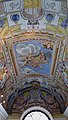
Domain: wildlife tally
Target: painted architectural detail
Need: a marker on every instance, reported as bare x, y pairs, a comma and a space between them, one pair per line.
33, 55
33, 11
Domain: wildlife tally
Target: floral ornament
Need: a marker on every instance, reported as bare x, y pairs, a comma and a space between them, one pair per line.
64, 23
15, 18
49, 17
1, 23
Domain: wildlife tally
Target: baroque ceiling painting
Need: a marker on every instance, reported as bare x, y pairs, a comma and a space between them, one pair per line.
33, 55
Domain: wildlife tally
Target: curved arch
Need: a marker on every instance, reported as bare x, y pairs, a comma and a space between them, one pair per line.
20, 92
36, 108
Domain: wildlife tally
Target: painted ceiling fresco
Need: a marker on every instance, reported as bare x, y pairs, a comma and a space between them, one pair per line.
33, 57
33, 47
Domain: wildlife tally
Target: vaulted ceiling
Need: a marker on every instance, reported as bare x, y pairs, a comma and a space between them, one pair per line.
33, 55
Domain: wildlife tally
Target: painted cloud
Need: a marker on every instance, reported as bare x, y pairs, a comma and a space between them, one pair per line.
25, 50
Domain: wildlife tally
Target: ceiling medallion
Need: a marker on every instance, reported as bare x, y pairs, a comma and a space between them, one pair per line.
64, 23
15, 18
49, 16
